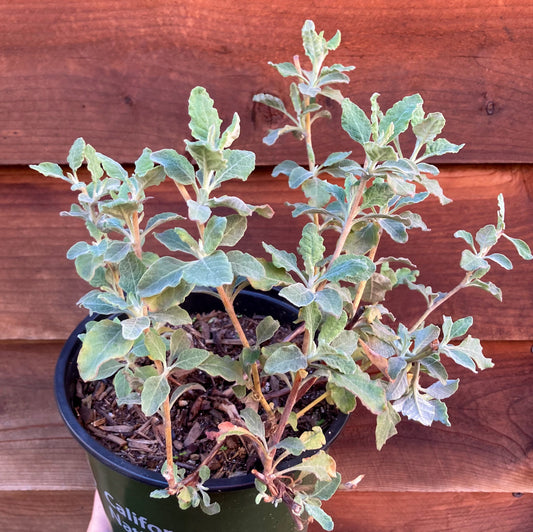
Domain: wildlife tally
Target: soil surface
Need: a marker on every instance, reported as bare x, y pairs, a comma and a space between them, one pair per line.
127, 432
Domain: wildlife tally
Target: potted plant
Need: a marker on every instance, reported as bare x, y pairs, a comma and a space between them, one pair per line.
341, 346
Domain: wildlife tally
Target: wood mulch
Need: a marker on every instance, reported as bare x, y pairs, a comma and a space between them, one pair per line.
127, 432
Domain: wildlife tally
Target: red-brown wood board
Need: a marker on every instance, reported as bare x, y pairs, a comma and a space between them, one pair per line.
119, 72
36, 275
439, 478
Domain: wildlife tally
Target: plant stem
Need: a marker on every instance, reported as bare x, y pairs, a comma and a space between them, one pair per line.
311, 405
362, 285
167, 422
228, 305
349, 220
437, 304
287, 409
137, 248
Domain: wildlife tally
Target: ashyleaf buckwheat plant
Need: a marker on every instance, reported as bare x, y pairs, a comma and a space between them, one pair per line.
340, 292
346, 346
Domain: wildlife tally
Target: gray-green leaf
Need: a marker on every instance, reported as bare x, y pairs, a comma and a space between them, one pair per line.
155, 390
165, 272
102, 343
284, 359
355, 122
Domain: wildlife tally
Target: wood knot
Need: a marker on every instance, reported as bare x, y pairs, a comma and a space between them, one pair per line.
490, 107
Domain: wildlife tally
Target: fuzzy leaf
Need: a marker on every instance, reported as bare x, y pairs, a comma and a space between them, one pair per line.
417, 408
466, 236
285, 69
266, 329
111, 167
253, 422
294, 445
400, 114
155, 390
198, 212
213, 234
132, 328
367, 390
489, 287
429, 127
500, 259
240, 164
231, 133
298, 176
329, 301
487, 236
273, 101
207, 157
204, 116
298, 294
355, 122
386, 425
76, 154
281, 258
191, 358
471, 262
178, 239
102, 343
521, 247
319, 515
235, 229
321, 464
285, 359
273, 277
311, 247
155, 345
213, 270
395, 229
95, 304
343, 399
246, 265
351, 268
441, 147
177, 167
163, 273
131, 270
438, 390
49, 170
225, 367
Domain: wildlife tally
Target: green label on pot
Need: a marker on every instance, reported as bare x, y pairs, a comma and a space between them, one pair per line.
128, 519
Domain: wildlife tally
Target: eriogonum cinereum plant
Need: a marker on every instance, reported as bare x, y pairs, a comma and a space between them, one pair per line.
345, 336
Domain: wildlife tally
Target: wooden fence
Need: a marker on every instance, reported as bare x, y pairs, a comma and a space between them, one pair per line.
118, 73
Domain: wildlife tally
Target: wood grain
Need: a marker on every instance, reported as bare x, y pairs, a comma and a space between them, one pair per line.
488, 448
438, 512
53, 511
39, 286
45, 511
119, 73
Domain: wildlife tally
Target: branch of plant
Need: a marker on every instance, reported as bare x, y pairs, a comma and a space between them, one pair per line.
463, 284
362, 285
312, 405
228, 306
137, 246
287, 409
436, 304
349, 220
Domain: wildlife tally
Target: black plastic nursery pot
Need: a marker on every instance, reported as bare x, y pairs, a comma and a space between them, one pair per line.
125, 488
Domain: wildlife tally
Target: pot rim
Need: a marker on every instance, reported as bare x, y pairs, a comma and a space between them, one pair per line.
66, 366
